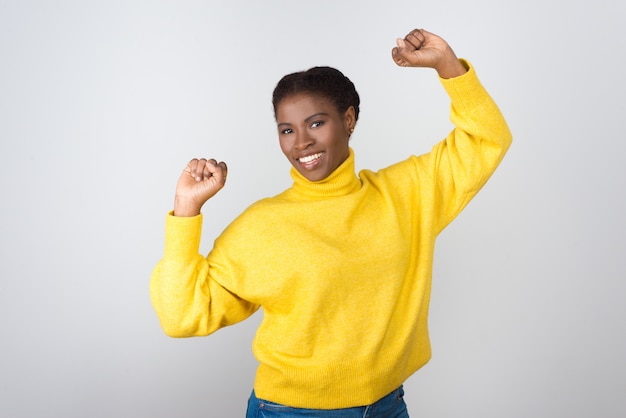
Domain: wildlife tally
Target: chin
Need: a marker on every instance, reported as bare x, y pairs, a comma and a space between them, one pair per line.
314, 176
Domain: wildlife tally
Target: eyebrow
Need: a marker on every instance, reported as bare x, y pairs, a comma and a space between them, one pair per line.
307, 119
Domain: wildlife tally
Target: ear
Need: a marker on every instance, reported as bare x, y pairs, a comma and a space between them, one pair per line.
349, 118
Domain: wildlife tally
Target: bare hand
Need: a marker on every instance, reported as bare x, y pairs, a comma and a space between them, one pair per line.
424, 49
199, 181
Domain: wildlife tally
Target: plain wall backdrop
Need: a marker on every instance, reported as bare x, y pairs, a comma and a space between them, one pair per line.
102, 103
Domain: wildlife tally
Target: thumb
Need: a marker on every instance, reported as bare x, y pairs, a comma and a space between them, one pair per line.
401, 53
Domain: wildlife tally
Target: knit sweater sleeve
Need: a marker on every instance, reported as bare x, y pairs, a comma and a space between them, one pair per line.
187, 299
462, 163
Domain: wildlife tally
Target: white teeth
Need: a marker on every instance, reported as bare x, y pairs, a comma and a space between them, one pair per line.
310, 158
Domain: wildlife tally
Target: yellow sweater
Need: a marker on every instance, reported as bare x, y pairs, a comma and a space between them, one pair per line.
342, 267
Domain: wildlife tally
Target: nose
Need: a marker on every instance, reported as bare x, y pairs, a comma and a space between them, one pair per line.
303, 140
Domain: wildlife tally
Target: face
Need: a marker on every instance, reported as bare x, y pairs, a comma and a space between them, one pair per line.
313, 134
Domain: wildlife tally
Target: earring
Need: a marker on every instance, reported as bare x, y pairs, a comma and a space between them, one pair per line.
351, 130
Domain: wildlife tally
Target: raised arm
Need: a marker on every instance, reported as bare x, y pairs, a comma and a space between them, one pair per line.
461, 164
186, 295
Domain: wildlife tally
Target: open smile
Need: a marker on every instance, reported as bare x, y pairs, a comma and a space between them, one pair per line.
310, 162
309, 159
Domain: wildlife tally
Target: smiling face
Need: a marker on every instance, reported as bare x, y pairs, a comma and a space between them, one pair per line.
313, 134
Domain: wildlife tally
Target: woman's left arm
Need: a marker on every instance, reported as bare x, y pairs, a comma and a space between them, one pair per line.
463, 162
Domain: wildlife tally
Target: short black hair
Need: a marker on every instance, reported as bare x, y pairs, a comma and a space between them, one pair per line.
326, 82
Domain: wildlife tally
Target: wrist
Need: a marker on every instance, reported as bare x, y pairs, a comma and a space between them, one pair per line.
186, 207
451, 67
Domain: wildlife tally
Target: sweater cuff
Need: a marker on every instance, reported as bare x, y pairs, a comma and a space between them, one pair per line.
182, 237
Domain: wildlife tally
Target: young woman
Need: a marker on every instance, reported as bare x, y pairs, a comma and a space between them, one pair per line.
341, 263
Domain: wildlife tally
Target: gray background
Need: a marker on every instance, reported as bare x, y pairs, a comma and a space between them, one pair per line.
103, 103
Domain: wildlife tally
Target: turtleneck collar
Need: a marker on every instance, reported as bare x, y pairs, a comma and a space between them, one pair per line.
341, 182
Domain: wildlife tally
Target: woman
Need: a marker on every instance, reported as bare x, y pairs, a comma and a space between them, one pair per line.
340, 263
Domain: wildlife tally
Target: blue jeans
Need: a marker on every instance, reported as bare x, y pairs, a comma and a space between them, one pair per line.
391, 406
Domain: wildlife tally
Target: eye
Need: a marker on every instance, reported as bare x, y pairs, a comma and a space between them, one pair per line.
286, 131
317, 124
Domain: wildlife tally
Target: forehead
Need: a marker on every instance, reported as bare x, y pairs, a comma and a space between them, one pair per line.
302, 105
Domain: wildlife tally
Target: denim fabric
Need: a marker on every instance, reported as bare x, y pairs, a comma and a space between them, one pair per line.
391, 406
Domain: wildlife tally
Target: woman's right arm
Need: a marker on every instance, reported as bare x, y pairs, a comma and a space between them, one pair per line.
187, 300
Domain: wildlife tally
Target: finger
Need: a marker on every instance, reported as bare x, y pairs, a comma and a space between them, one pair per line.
217, 170
209, 168
399, 60
416, 38
195, 168
199, 172
190, 167
224, 170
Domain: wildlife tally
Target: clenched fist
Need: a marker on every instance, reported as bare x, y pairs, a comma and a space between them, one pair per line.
199, 181
424, 49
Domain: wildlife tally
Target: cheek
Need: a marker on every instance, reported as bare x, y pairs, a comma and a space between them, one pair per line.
341, 141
